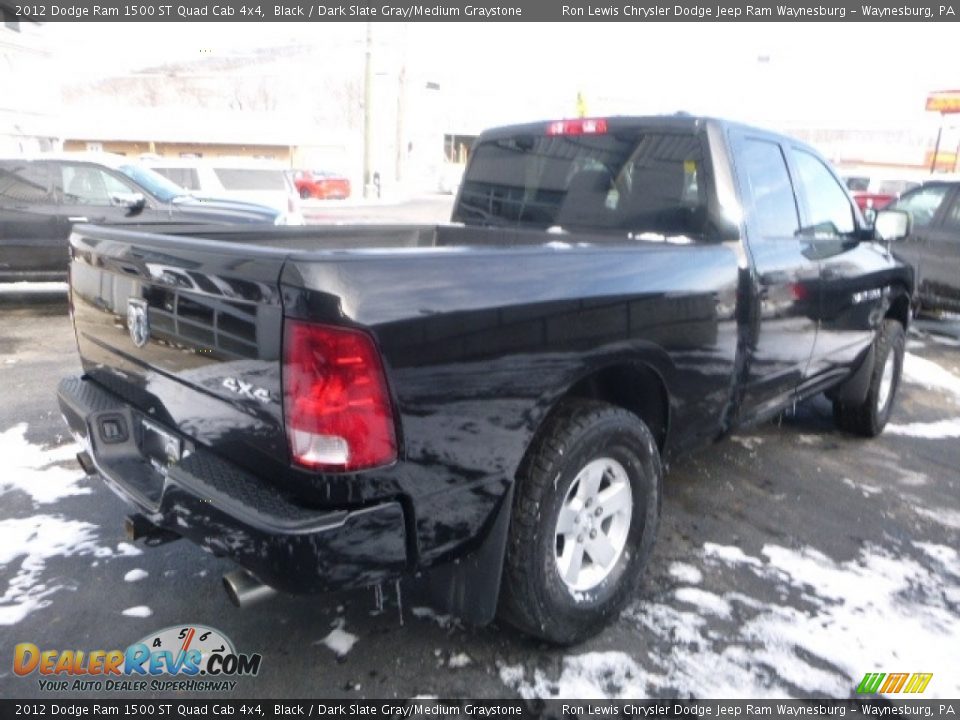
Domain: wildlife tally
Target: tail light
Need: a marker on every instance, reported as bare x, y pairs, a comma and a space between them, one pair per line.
580, 126
338, 410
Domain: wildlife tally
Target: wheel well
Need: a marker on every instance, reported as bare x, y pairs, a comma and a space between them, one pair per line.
900, 310
636, 388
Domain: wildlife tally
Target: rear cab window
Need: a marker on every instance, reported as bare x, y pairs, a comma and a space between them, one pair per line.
633, 180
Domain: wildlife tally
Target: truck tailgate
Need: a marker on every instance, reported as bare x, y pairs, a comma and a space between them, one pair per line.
188, 332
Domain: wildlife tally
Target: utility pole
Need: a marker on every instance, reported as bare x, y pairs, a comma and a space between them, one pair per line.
367, 114
401, 140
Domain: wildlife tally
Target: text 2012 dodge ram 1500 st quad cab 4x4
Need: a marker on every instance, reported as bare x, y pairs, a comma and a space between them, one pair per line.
482, 409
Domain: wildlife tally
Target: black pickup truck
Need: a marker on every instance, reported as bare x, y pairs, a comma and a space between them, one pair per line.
482, 410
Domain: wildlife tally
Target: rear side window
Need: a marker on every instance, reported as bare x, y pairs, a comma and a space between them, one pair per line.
923, 204
634, 181
250, 179
773, 206
24, 183
831, 214
896, 187
184, 177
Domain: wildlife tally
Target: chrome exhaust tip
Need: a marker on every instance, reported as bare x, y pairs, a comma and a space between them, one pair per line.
244, 590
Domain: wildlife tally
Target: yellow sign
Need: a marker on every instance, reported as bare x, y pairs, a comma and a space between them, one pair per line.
944, 101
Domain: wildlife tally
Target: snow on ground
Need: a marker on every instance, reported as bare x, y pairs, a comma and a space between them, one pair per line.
920, 371
685, 573
339, 640
444, 621
866, 489
943, 516
928, 374
459, 660
32, 542
138, 611
938, 430
135, 575
36, 471
834, 621
750, 443
590, 676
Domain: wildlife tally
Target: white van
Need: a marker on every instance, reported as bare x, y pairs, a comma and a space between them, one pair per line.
254, 181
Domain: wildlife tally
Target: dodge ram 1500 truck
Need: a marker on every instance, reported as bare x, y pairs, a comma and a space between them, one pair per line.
482, 410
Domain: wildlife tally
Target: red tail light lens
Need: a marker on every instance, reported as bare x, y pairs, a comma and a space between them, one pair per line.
338, 411
580, 126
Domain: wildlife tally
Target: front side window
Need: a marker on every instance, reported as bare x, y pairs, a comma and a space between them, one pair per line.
89, 185
773, 207
952, 220
831, 214
922, 204
636, 180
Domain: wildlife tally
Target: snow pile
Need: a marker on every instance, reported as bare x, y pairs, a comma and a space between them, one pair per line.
35, 471
33, 541
928, 374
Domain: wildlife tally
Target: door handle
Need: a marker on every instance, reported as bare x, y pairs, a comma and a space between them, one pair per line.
77, 219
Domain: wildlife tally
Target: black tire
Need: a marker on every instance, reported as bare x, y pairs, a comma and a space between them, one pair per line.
870, 417
305, 194
534, 597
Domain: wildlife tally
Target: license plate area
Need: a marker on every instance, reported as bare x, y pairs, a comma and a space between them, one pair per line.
161, 447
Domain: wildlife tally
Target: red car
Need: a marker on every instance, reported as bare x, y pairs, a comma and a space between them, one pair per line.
321, 184
876, 193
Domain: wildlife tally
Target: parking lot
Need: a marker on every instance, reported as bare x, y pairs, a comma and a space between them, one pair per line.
792, 559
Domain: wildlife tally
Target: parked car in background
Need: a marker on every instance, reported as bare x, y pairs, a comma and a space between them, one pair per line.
321, 184
43, 196
875, 192
932, 246
257, 181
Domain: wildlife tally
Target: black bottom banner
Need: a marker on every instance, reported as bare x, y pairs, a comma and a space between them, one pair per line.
432, 708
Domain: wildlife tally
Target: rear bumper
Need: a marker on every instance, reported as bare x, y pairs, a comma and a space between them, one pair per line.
230, 512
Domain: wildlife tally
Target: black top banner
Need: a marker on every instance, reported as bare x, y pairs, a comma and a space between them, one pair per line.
486, 11
433, 709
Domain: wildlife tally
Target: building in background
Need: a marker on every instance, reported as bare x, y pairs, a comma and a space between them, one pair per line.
29, 87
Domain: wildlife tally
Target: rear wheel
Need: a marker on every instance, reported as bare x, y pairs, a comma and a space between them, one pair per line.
305, 194
584, 520
870, 417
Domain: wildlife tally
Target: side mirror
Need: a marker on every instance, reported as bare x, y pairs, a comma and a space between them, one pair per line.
891, 225
134, 201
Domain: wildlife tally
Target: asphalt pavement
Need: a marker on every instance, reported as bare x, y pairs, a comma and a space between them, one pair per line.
792, 559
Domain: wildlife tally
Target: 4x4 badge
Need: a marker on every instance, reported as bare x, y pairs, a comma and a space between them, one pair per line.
138, 321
